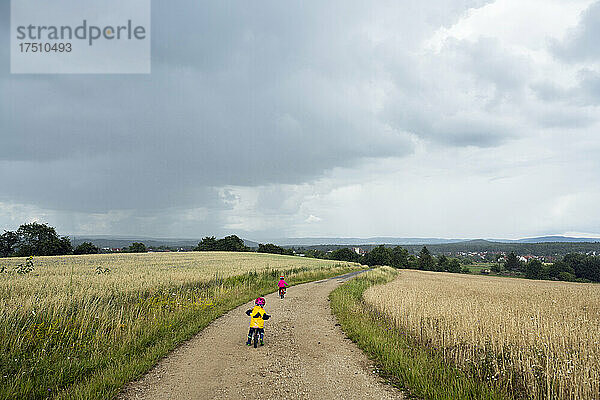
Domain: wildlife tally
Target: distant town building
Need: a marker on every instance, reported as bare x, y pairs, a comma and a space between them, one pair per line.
359, 251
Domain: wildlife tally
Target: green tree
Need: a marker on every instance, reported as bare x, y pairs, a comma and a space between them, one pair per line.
86, 248
380, 255
273, 249
314, 253
566, 276
592, 269
208, 243
576, 261
425, 261
400, 257
512, 262
41, 240
534, 269
231, 243
497, 267
228, 243
8, 241
558, 270
344, 254
576, 266
137, 247
442, 263
454, 266
412, 261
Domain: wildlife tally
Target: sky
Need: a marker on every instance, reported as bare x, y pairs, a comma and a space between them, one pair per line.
456, 119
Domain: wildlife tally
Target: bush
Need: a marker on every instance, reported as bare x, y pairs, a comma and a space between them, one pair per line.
566, 276
228, 243
86, 248
274, 249
136, 247
344, 254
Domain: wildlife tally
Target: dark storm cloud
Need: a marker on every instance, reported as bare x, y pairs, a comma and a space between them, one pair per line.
239, 95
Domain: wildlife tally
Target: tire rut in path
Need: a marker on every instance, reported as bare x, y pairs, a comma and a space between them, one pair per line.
306, 356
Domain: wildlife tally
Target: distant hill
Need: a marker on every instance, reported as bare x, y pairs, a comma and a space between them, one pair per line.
560, 239
324, 241
356, 241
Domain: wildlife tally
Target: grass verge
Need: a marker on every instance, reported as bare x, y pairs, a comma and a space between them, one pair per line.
419, 371
64, 360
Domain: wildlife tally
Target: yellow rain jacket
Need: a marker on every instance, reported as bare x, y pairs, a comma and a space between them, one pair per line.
257, 317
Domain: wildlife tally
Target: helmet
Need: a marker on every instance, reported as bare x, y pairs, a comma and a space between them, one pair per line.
260, 301
281, 277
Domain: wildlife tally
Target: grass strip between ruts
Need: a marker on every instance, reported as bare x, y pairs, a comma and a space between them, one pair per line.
418, 371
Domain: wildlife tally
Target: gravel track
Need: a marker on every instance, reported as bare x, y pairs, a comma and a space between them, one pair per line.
306, 356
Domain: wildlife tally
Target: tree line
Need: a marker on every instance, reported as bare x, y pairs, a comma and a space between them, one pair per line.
573, 267
35, 239
493, 249
234, 243
396, 257
480, 246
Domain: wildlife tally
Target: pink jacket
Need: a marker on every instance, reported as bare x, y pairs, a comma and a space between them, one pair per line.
282, 283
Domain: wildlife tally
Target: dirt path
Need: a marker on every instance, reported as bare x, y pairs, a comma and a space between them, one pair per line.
306, 356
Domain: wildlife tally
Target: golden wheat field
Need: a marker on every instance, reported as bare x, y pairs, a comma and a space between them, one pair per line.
540, 339
100, 274
72, 318
58, 282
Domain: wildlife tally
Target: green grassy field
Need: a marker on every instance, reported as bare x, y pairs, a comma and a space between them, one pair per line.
82, 326
476, 268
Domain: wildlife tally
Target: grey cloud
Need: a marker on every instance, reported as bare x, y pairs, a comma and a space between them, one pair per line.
566, 117
239, 110
549, 92
435, 100
590, 86
585, 93
581, 43
490, 63
461, 131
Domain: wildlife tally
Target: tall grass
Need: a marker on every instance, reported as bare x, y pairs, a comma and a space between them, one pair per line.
536, 339
82, 326
402, 360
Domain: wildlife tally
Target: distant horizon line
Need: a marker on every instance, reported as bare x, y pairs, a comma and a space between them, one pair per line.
134, 236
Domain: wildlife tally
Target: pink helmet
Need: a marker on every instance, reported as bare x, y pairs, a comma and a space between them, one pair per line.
260, 301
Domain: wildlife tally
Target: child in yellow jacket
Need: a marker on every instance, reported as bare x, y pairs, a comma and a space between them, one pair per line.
258, 316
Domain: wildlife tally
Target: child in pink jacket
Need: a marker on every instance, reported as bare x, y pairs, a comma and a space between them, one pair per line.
282, 285
282, 282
